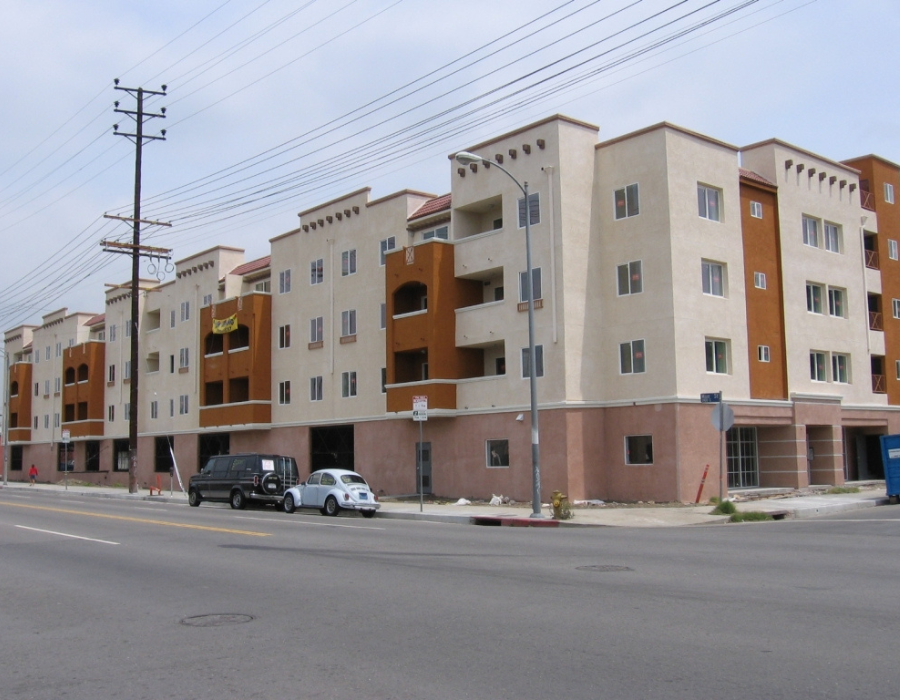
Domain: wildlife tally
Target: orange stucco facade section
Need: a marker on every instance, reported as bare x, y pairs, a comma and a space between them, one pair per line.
249, 365
20, 402
765, 317
875, 172
431, 334
83, 400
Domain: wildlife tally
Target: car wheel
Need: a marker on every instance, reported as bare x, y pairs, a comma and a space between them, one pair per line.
368, 513
289, 503
194, 498
331, 506
238, 502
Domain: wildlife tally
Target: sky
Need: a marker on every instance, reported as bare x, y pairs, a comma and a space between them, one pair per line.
274, 106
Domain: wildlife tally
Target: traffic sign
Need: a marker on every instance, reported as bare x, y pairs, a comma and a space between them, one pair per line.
65, 436
420, 408
722, 417
714, 397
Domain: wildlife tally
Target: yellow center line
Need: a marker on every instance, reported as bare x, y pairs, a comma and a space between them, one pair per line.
126, 518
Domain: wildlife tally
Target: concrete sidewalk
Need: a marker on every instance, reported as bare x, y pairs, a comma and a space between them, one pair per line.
807, 503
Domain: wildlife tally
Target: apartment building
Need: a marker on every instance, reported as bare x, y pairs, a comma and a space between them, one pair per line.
667, 264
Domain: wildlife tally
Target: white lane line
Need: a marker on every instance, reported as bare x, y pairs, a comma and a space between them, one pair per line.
307, 522
63, 534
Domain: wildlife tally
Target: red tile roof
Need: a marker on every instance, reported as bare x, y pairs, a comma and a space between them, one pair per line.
432, 206
750, 175
252, 266
95, 320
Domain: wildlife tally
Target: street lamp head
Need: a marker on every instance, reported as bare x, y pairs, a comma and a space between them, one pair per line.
466, 158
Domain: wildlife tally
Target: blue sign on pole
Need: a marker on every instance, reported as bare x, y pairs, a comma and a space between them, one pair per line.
714, 397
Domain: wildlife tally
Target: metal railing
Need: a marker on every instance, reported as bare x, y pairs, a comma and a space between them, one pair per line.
872, 259
878, 384
875, 321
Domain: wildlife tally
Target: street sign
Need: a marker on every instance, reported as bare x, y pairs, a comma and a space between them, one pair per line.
714, 397
65, 436
420, 408
722, 417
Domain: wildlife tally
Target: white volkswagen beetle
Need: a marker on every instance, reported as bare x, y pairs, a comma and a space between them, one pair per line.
331, 490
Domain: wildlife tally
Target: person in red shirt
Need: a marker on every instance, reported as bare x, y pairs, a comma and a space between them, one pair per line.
32, 474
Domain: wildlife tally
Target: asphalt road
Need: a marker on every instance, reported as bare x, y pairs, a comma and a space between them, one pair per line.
96, 594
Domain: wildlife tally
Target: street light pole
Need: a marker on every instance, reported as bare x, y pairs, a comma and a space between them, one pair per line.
466, 158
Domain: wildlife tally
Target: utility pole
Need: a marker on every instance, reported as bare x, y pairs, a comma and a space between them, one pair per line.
138, 137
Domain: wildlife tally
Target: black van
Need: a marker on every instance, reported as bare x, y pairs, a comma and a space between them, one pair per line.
237, 479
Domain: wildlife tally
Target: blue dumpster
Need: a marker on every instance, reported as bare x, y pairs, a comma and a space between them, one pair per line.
890, 455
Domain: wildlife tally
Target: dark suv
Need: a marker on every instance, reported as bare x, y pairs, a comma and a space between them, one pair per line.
237, 479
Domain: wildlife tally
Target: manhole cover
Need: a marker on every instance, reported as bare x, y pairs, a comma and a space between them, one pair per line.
216, 620
604, 567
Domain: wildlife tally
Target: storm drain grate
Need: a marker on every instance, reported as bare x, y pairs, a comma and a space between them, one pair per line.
604, 567
216, 620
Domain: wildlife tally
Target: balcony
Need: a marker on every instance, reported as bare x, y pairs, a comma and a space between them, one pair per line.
243, 413
475, 325
872, 260
879, 386
867, 200
876, 322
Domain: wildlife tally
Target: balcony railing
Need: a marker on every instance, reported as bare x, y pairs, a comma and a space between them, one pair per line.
875, 321
878, 384
872, 259
867, 200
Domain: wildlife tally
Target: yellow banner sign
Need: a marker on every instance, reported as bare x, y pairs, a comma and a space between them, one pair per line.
225, 325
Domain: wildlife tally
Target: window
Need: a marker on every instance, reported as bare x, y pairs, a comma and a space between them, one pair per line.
496, 453
59, 349
171, 364
759, 280
384, 380
183, 404
442, 232
888, 193
762, 353
895, 303
37, 357
630, 278
284, 336
383, 316
840, 368
171, 320
35, 422
37, 388
185, 311
539, 362
127, 327
317, 271
154, 410
171, 408
892, 249
284, 281
810, 232
111, 413
284, 393
183, 358
47, 356
207, 299
535, 284
708, 203
627, 202
716, 356
897, 368
348, 323
348, 262
713, 278
756, 210
315, 388
813, 298
111, 373
631, 357
316, 329
534, 210
638, 449
836, 306
57, 385
817, 371
348, 384
126, 375
264, 286
832, 238
46, 387
56, 419
388, 244
112, 333
127, 412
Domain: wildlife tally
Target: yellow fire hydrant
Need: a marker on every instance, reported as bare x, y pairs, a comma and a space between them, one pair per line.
562, 509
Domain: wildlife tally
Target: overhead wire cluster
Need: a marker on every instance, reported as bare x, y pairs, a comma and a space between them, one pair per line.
564, 50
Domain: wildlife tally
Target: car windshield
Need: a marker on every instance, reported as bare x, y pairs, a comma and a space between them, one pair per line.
353, 479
